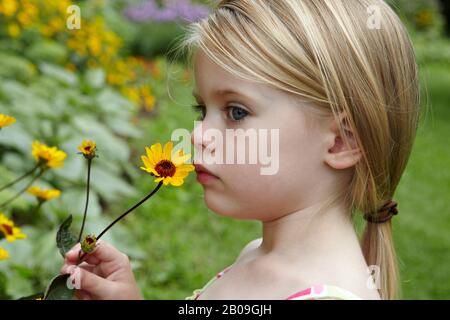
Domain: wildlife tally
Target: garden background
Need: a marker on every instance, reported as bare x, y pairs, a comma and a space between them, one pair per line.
112, 81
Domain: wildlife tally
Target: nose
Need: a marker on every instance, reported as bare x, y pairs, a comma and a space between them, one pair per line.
201, 141
197, 135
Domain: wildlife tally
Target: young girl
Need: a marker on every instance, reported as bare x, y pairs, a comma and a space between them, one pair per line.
338, 79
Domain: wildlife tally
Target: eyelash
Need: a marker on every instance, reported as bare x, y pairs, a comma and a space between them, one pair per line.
199, 108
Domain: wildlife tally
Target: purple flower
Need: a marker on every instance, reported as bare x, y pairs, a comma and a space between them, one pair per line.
171, 11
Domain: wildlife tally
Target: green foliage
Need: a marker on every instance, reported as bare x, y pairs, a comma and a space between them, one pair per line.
65, 240
47, 51
58, 290
61, 108
422, 15
13, 66
153, 39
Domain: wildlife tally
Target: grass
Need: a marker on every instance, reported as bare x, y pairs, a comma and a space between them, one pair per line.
421, 231
185, 244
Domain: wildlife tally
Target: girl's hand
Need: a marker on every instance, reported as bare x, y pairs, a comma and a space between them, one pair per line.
104, 274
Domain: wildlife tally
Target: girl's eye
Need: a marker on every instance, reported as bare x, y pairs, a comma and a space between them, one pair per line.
236, 113
201, 110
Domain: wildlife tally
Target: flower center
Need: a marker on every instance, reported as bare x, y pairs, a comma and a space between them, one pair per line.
89, 240
8, 229
165, 168
88, 148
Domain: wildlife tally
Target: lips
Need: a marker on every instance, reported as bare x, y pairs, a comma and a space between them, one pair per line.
199, 168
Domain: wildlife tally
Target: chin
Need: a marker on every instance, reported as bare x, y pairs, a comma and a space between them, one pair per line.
226, 208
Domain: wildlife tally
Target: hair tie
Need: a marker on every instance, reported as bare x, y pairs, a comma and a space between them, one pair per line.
385, 213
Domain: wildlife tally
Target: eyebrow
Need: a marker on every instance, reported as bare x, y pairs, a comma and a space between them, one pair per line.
222, 92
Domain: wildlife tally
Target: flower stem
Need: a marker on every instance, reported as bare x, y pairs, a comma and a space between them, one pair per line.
87, 198
19, 178
23, 190
37, 207
81, 256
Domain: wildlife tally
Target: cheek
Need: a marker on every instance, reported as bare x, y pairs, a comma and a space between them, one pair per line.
245, 193
239, 191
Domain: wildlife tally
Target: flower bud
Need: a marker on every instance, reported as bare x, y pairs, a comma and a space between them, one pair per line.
88, 243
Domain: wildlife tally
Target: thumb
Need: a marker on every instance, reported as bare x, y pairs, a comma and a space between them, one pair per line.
89, 282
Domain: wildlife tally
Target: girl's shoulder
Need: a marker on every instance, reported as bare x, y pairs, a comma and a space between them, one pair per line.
316, 292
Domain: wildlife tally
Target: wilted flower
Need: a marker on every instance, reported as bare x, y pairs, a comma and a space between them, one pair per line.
88, 148
44, 194
52, 157
8, 230
165, 167
88, 243
6, 120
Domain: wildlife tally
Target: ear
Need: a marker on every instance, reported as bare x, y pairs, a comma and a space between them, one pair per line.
340, 155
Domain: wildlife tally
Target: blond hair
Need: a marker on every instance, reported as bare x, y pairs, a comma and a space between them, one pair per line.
327, 52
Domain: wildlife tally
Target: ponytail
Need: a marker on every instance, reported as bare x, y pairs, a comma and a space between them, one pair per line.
379, 252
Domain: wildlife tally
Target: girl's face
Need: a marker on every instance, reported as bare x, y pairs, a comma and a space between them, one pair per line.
240, 190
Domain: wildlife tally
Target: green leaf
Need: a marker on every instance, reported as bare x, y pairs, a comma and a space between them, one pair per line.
65, 240
95, 78
58, 290
33, 296
59, 73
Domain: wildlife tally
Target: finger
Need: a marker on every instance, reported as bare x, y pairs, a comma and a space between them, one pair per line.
92, 283
105, 253
83, 295
69, 268
88, 267
73, 255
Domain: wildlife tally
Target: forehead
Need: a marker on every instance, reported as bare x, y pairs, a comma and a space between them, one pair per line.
210, 77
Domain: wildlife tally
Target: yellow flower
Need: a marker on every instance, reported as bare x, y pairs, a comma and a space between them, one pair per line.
3, 254
8, 7
6, 120
88, 148
424, 18
165, 167
13, 30
44, 194
24, 19
10, 232
95, 45
52, 157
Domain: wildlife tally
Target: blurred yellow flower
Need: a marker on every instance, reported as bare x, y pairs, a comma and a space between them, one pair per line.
9, 231
160, 163
13, 30
3, 254
424, 18
88, 148
52, 157
6, 120
44, 194
8, 7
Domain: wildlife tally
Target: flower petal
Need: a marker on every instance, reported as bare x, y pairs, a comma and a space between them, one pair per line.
176, 182
150, 156
180, 158
157, 152
167, 154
